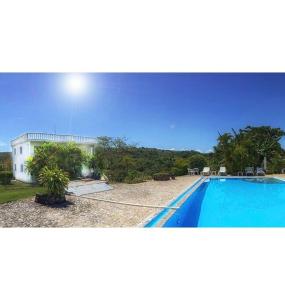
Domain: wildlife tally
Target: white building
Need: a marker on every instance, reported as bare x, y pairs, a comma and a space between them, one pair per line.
23, 148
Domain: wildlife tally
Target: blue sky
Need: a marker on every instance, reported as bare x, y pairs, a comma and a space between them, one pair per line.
163, 110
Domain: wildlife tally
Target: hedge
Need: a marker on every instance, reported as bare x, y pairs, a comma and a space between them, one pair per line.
5, 177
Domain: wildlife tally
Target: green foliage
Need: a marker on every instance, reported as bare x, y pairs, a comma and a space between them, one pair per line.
276, 164
198, 161
177, 172
55, 180
249, 147
161, 176
134, 177
180, 166
117, 160
6, 177
67, 157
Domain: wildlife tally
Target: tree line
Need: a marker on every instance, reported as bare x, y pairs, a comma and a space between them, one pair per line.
123, 162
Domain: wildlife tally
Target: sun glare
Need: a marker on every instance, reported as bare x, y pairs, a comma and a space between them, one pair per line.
76, 84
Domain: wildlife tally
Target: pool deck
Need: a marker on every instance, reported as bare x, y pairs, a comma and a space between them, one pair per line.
126, 205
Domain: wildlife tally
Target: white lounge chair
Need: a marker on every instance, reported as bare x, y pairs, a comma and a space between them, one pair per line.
249, 171
260, 172
223, 171
191, 172
196, 171
206, 171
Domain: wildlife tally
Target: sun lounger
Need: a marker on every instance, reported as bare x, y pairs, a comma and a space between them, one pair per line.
191, 172
260, 172
196, 171
223, 171
249, 171
206, 171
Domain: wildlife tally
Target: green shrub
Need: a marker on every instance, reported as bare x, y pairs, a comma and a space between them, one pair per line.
147, 177
134, 180
55, 180
116, 175
68, 157
197, 161
134, 177
96, 174
5, 177
161, 176
180, 167
178, 171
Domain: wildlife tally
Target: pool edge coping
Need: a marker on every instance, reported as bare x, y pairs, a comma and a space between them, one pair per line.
181, 202
173, 204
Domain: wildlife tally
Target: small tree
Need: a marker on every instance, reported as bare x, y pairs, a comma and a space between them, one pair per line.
55, 180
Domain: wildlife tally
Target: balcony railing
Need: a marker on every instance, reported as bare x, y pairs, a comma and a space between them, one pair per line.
54, 138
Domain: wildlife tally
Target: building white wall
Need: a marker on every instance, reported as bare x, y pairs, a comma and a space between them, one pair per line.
19, 160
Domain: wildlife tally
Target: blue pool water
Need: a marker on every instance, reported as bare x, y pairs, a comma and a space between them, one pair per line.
233, 203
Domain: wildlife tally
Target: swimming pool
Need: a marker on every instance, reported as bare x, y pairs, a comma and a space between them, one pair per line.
233, 202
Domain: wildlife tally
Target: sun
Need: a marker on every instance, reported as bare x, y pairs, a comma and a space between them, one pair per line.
76, 84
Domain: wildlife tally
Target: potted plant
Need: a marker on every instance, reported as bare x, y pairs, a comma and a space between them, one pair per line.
55, 181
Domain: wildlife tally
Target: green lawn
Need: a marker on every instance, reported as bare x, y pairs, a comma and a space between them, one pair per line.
17, 191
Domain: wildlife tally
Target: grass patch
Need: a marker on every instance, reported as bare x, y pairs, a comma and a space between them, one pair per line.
17, 191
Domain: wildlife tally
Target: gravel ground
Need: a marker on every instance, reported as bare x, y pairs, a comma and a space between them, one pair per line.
93, 213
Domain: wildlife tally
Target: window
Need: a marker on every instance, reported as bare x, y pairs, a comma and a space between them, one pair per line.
21, 150
22, 168
15, 167
14, 151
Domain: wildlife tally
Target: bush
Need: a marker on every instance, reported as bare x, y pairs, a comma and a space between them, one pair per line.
55, 180
161, 176
134, 180
134, 177
180, 167
116, 175
67, 157
147, 177
197, 161
96, 174
6, 177
178, 172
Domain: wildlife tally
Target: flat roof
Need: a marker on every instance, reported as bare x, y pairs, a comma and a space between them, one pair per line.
49, 137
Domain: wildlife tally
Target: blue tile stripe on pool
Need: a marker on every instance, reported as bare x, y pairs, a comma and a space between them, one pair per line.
157, 218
